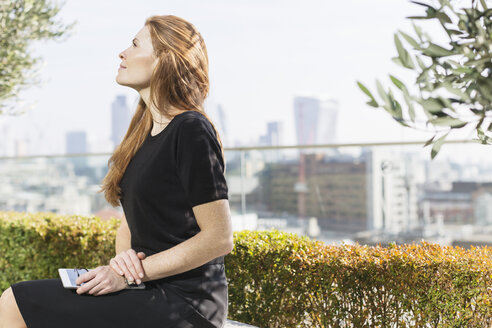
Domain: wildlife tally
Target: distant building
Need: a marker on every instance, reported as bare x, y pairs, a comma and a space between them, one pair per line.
315, 119
391, 193
483, 208
219, 118
120, 119
335, 195
273, 137
43, 186
465, 203
275, 133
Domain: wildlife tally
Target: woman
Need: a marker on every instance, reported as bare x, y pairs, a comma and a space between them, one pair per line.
168, 174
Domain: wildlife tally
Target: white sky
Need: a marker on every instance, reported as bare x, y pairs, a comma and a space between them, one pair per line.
261, 54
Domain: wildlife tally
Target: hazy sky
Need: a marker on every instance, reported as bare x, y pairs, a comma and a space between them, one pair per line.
261, 54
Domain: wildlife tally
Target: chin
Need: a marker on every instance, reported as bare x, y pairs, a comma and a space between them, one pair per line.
121, 82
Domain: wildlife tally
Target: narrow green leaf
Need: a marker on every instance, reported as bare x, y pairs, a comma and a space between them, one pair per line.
423, 4
476, 62
437, 145
409, 39
389, 109
433, 105
382, 93
456, 91
480, 132
452, 122
398, 61
418, 31
443, 17
397, 82
454, 63
401, 121
428, 142
463, 70
395, 106
403, 53
434, 50
421, 63
373, 101
477, 111
454, 32
411, 109
446, 103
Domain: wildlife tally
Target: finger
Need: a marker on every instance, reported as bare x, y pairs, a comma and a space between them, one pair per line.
137, 265
88, 286
86, 277
114, 265
103, 291
122, 264
97, 288
130, 266
141, 255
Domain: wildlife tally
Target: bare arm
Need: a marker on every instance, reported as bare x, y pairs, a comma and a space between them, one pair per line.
123, 236
214, 240
126, 262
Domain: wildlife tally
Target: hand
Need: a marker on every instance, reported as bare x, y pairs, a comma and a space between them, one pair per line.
101, 280
128, 263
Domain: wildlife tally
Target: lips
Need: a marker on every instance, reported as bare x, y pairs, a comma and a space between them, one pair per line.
121, 66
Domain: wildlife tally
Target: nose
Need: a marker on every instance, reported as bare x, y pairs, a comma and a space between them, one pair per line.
121, 55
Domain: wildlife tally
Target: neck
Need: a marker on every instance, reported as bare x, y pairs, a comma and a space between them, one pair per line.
158, 117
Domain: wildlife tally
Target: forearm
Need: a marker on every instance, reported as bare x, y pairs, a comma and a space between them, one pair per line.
123, 240
192, 253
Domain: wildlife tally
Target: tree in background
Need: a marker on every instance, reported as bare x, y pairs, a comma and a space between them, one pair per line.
21, 23
454, 79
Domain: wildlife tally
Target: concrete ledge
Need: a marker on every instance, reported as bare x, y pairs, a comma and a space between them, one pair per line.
236, 324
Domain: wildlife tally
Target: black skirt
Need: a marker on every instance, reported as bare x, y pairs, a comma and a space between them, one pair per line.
47, 304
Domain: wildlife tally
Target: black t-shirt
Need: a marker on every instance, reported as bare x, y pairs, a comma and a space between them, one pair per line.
180, 167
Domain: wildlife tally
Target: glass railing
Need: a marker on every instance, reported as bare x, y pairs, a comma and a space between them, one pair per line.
366, 193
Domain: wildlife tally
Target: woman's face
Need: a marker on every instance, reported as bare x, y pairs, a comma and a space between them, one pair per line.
138, 61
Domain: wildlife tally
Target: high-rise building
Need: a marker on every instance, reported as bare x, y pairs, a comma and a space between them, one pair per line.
391, 192
219, 118
315, 122
275, 133
120, 119
315, 119
273, 137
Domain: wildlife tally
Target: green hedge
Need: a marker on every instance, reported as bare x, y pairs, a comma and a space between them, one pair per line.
34, 246
279, 279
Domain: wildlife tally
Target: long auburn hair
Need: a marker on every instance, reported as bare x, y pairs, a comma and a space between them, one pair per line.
179, 81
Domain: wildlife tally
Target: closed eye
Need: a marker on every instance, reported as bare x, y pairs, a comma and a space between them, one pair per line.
134, 44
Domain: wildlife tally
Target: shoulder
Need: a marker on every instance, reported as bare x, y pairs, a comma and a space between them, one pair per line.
193, 122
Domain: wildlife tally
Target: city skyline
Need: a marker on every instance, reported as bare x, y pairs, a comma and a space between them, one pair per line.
262, 55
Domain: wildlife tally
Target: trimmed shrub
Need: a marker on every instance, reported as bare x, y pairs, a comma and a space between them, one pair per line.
277, 279
34, 246
282, 280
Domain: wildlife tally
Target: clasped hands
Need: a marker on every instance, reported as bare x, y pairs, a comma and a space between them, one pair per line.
109, 278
